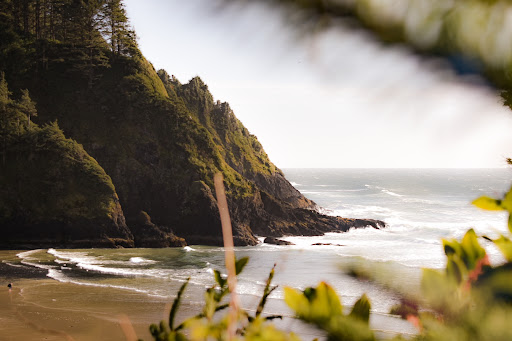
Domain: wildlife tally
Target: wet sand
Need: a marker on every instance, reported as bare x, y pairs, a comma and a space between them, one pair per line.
40, 308
37, 309
45, 309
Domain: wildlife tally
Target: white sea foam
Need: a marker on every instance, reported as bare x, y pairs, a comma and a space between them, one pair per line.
26, 254
13, 265
61, 277
28, 258
141, 260
391, 193
418, 215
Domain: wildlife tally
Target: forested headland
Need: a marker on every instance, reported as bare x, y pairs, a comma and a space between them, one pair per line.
100, 149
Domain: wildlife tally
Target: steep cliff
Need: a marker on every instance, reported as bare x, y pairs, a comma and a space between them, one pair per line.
159, 141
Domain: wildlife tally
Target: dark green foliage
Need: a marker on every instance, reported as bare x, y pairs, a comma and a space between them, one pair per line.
27, 106
84, 69
160, 141
117, 30
43, 35
241, 150
49, 182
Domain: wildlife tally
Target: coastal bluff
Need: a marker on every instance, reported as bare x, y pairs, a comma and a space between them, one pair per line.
122, 155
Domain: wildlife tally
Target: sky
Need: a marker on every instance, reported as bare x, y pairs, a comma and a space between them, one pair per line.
333, 99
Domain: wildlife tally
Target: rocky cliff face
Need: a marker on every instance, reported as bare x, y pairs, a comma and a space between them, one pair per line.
159, 144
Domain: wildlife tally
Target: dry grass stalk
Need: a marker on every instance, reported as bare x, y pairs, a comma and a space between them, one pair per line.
229, 252
127, 327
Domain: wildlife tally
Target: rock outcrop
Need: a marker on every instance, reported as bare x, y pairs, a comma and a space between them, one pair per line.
275, 241
155, 144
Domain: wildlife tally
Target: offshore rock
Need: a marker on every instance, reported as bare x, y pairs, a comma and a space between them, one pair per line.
275, 241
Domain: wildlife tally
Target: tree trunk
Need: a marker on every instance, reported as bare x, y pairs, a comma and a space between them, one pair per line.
38, 15
25, 17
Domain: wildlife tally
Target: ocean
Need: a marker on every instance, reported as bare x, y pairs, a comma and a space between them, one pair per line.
419, 206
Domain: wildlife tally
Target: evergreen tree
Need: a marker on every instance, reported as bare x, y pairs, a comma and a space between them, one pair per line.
4, 93
117, 30
4, 102
12, 114
27, 106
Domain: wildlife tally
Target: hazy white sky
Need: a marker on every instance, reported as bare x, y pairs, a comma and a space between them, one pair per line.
336, 99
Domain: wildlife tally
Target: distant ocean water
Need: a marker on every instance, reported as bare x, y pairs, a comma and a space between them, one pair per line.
420, 206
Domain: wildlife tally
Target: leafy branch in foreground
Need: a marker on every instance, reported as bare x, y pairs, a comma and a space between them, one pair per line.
321, 307
469, 300
205, 325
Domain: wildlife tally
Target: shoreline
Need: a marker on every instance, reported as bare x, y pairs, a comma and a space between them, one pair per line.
40, 307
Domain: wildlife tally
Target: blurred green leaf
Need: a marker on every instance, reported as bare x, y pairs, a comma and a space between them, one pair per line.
176, 304
347, 328
297, 301
259, 330
325, 303
487, 203
210, 303
266, 292
240, 264
316, 305
436, 287
507, 201
468, 251
361, 309
505, 246
473, 252
496, 284
218, 278
455, 269
451, 247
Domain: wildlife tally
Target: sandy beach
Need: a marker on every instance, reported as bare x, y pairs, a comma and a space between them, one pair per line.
44, 309
40, 308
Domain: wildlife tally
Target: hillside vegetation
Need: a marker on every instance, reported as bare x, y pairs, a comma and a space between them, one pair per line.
159, 142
